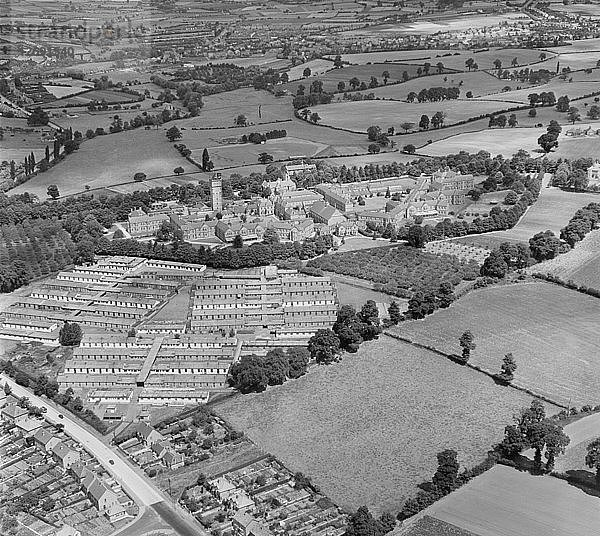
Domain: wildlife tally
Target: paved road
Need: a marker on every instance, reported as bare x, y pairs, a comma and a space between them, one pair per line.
138, 487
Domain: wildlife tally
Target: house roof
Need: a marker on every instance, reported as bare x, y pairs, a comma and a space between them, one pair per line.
97, 489
14, 411
172, 457
62, 451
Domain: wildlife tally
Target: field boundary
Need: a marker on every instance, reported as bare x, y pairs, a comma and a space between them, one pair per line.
454, 358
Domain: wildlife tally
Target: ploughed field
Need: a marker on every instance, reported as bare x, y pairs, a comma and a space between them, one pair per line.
367, 429
551, 332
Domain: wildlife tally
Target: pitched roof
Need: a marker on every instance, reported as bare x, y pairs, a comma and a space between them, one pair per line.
13, 410
62, 451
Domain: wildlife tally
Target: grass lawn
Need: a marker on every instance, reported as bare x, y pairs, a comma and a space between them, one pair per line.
559, 87
367, 429
359, 116
509, 502
108, 160
549, 329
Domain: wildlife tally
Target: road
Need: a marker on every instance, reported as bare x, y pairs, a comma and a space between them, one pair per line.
137, 486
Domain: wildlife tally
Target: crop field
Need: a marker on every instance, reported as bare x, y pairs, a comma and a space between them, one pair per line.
506, 141
579, 264
367, 429
331, 78
63, 91
358, 116
85, 98
399, 269
480, 83
549, 329
318, 66
509, 502
108, 160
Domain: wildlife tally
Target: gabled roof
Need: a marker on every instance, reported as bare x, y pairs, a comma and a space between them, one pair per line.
43, 436
171, 457
14, 411
62, 451
98, 490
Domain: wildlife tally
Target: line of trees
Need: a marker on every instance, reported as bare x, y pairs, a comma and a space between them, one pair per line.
434, 94
257, 137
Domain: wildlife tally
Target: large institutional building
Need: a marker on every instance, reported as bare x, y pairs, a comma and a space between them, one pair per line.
161, 332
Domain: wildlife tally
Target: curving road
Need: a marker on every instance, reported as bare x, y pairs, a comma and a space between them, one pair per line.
137, 486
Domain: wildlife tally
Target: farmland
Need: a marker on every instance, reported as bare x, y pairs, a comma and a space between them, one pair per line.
479, 82
358, 116
364, 73
399, 270
549, 330
92, 166
580, 264
506, 501
370, 429
559, 87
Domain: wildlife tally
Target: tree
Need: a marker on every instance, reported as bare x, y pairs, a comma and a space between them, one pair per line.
407, 125
573, 115
241, 120
265, 158
315, 117
238, 242
532, 112
409, 148
513, 121
374, 148
373, 132
38, 117
298, 359
173, 134
424, 122
178, 170
52, 191
70, 334
592, 458
494, 265
547, 142
337, 62
556, 443
467, 344
386, 76
307, 72
341, 85
324, 346
509, 365
446, 475
394, 312
498, 64
511, 198
416, 236
544, 246
139, 177
562, 104
369, 313
206, 162
469, 63
248, 375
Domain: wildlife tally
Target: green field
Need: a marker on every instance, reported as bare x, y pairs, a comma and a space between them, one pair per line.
514, 503
110, 159
559, 87
549, 329
480, 83
331, 78
579, 264
358, 116
367, 429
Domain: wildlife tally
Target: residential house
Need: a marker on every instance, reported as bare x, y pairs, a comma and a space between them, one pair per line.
593, 174
227, 231
291, 170
45, 439
294, 231
244, 524
14, 413
173, 460
277, 187
221, 488
65, 455
160, 448
147, 434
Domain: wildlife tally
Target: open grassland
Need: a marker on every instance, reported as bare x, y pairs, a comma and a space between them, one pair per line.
480, 83
367, 429
581, 432
552, 210
364, 73
572, 148
485, 59
258, 106
83, 99
549, 329
358, 116
559, 87
580, 264
506, 141
513, 503
318, 66
399, 56
108, 160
